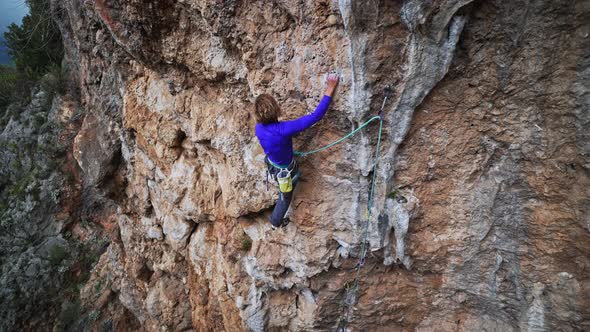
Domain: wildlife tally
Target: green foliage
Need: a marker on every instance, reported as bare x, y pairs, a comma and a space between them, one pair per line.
36, 44
54, 82
37, 51
246, 243
57, 254
19, 187
98, 286
39, 120
8, 82
392, 194
3, 207
70, 313
14, 86
93, 315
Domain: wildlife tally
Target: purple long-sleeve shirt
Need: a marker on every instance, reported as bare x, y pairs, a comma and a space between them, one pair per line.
276, 138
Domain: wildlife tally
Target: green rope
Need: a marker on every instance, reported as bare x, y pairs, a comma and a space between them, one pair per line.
352, 133
352, 292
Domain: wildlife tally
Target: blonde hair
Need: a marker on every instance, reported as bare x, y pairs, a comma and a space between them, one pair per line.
266, 109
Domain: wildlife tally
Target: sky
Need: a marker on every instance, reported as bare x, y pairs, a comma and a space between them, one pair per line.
11, 11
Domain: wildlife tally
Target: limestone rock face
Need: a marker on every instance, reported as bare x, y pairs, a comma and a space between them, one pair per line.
481, 214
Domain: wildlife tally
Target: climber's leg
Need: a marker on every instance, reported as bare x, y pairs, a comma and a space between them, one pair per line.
290, 209
276, 218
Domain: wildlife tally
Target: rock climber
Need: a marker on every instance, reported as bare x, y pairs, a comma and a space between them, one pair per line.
276, 139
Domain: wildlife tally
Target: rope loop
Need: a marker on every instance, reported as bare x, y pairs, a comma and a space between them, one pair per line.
352, 133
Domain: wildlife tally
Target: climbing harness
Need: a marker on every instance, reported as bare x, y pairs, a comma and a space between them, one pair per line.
351, 292
282, 174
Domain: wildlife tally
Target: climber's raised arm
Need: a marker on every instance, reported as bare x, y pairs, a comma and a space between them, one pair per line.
290, 128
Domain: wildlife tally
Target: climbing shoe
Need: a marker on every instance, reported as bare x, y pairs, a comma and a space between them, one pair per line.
283, 224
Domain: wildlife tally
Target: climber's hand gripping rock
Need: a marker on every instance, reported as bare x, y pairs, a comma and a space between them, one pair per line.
332, 81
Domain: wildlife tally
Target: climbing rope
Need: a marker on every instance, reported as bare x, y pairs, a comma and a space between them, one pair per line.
352, 133
386, 93
349, 299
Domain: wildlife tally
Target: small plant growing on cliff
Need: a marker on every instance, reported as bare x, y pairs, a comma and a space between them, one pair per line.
246, 243
70, 312
57, 254
98, 286
53, 83
38, 120
8, 85
93, 315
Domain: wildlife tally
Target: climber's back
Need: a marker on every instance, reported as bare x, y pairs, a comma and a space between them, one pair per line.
276, 137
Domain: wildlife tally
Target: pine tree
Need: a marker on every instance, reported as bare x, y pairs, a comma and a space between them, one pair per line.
36, 43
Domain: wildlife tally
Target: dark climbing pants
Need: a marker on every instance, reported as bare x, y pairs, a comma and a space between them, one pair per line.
278, 213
